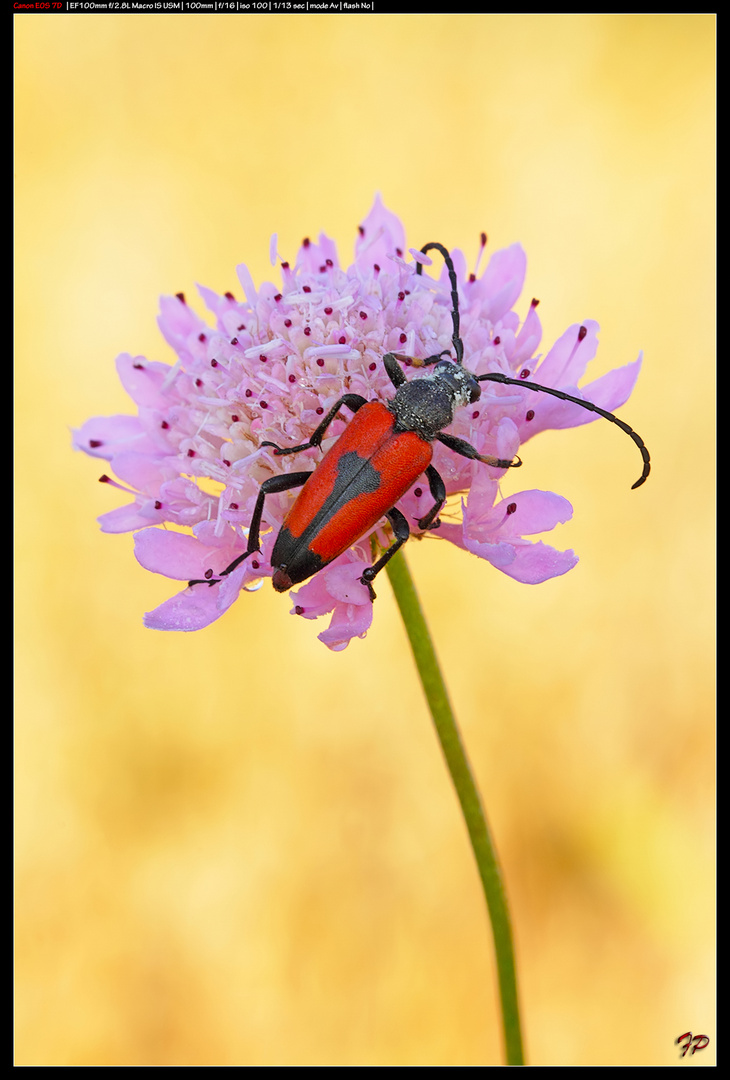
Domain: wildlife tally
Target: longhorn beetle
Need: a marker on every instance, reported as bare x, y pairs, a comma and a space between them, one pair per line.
382, 452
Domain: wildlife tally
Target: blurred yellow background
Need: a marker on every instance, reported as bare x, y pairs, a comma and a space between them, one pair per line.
235, 847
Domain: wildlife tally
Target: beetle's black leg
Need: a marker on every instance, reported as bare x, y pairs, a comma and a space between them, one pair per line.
272, 486
438, 491
496, 376
461, 446
353, 402
401, 532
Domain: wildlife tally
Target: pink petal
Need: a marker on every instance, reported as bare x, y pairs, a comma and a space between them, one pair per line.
613, 390
105, 436
536, 512
141, 471
337, 588
565, 364
342, 581
176, 555
127, 519
338, 583
348, 621
219, 305
312, 599
249, 289
500, 554
382, 235
503, 279
192, 609
143, 380
177, 321
528, 339
536, 563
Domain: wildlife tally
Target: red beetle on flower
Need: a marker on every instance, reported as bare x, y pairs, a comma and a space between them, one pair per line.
274, 367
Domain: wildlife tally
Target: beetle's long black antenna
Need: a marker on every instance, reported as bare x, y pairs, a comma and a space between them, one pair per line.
495, 376
458, 343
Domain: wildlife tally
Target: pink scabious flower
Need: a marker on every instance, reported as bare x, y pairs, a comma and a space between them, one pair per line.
192, 458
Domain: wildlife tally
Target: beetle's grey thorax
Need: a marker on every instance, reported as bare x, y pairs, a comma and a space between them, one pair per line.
424, 405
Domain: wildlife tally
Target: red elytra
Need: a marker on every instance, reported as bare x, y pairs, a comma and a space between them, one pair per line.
360, 479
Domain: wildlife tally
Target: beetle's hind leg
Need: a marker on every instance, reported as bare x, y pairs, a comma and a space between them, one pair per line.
401, 532
401, 529
438, 491
273, 486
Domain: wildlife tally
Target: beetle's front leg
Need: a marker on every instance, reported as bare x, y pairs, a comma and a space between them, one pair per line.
392, 362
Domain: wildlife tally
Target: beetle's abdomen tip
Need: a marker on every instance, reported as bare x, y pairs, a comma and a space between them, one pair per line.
281, 580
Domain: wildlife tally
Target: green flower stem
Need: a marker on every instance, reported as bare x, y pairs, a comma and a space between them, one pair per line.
466, 789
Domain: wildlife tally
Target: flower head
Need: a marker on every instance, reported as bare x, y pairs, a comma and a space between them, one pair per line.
194, 455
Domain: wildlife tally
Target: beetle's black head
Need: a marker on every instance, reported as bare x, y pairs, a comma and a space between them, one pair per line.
461, 383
